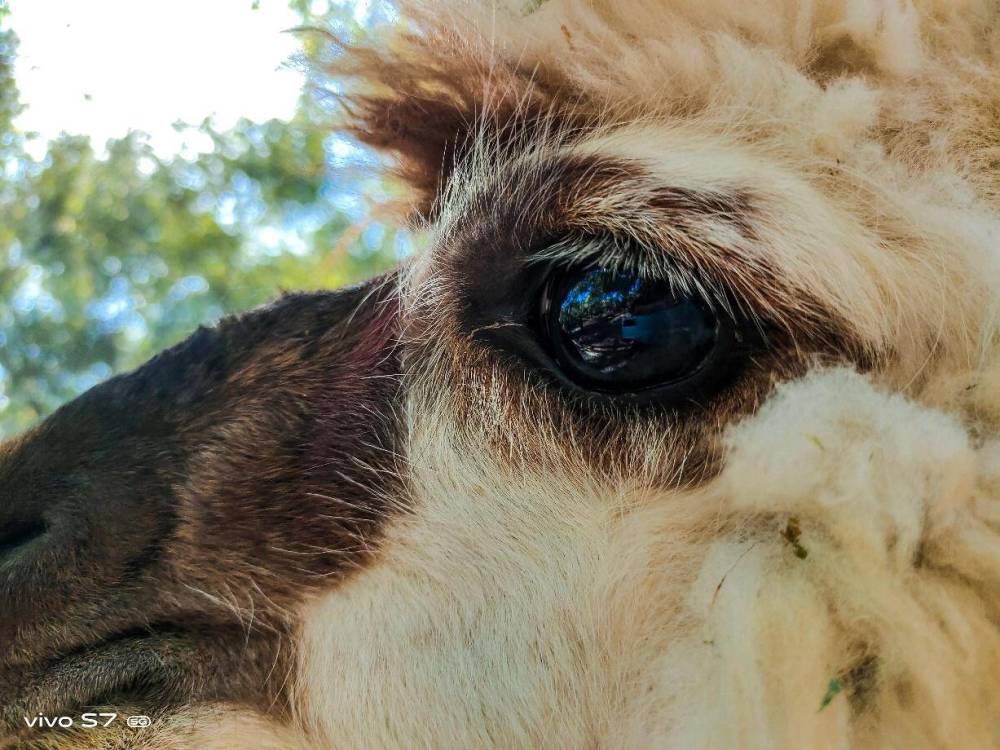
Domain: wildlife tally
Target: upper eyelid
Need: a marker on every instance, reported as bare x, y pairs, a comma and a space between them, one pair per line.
522, 217
544, 215
627, 254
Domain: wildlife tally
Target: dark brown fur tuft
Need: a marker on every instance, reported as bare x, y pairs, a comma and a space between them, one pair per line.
424, 97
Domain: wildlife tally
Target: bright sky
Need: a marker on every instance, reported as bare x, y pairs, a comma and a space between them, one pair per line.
104, 67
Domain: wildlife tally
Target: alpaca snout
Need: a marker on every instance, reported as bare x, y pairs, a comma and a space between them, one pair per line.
18, 535
75, 566
23, 520
158, 531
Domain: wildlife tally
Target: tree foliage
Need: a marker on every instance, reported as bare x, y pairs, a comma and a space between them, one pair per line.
109, 254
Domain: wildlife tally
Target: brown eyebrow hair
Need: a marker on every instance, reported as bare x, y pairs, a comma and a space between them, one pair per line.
538, 209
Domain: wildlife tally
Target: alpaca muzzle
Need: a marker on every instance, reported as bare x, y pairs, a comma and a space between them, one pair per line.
157, 533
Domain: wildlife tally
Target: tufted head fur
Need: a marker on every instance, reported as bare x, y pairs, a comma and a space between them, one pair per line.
383, 517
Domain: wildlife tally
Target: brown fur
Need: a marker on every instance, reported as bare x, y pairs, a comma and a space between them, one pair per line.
287, 408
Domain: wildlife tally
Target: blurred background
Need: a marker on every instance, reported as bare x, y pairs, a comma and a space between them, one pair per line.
164, 165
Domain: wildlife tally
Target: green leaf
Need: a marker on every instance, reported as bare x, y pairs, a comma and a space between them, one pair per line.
832, 691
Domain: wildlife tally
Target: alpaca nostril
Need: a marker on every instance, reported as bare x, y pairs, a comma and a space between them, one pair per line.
18, 534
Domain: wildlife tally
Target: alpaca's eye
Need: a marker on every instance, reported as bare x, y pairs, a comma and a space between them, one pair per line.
616, 331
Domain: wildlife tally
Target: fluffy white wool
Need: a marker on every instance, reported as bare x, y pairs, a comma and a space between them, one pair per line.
836, 586
890, 589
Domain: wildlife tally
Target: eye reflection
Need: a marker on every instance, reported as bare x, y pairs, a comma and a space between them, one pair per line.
617, 329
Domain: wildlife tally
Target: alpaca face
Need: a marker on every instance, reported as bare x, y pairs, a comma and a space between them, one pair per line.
682, 431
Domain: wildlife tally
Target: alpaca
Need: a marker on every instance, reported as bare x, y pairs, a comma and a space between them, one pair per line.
683, 432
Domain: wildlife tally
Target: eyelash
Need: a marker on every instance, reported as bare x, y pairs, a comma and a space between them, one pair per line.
515, 319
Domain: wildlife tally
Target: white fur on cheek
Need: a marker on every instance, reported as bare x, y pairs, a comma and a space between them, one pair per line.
835, 587
875, 469
475, 626
856, 604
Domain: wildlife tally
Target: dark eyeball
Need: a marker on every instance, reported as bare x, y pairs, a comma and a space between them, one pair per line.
615, 331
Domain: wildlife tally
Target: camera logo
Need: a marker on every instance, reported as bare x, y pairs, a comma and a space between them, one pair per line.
139, 722
85, 721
